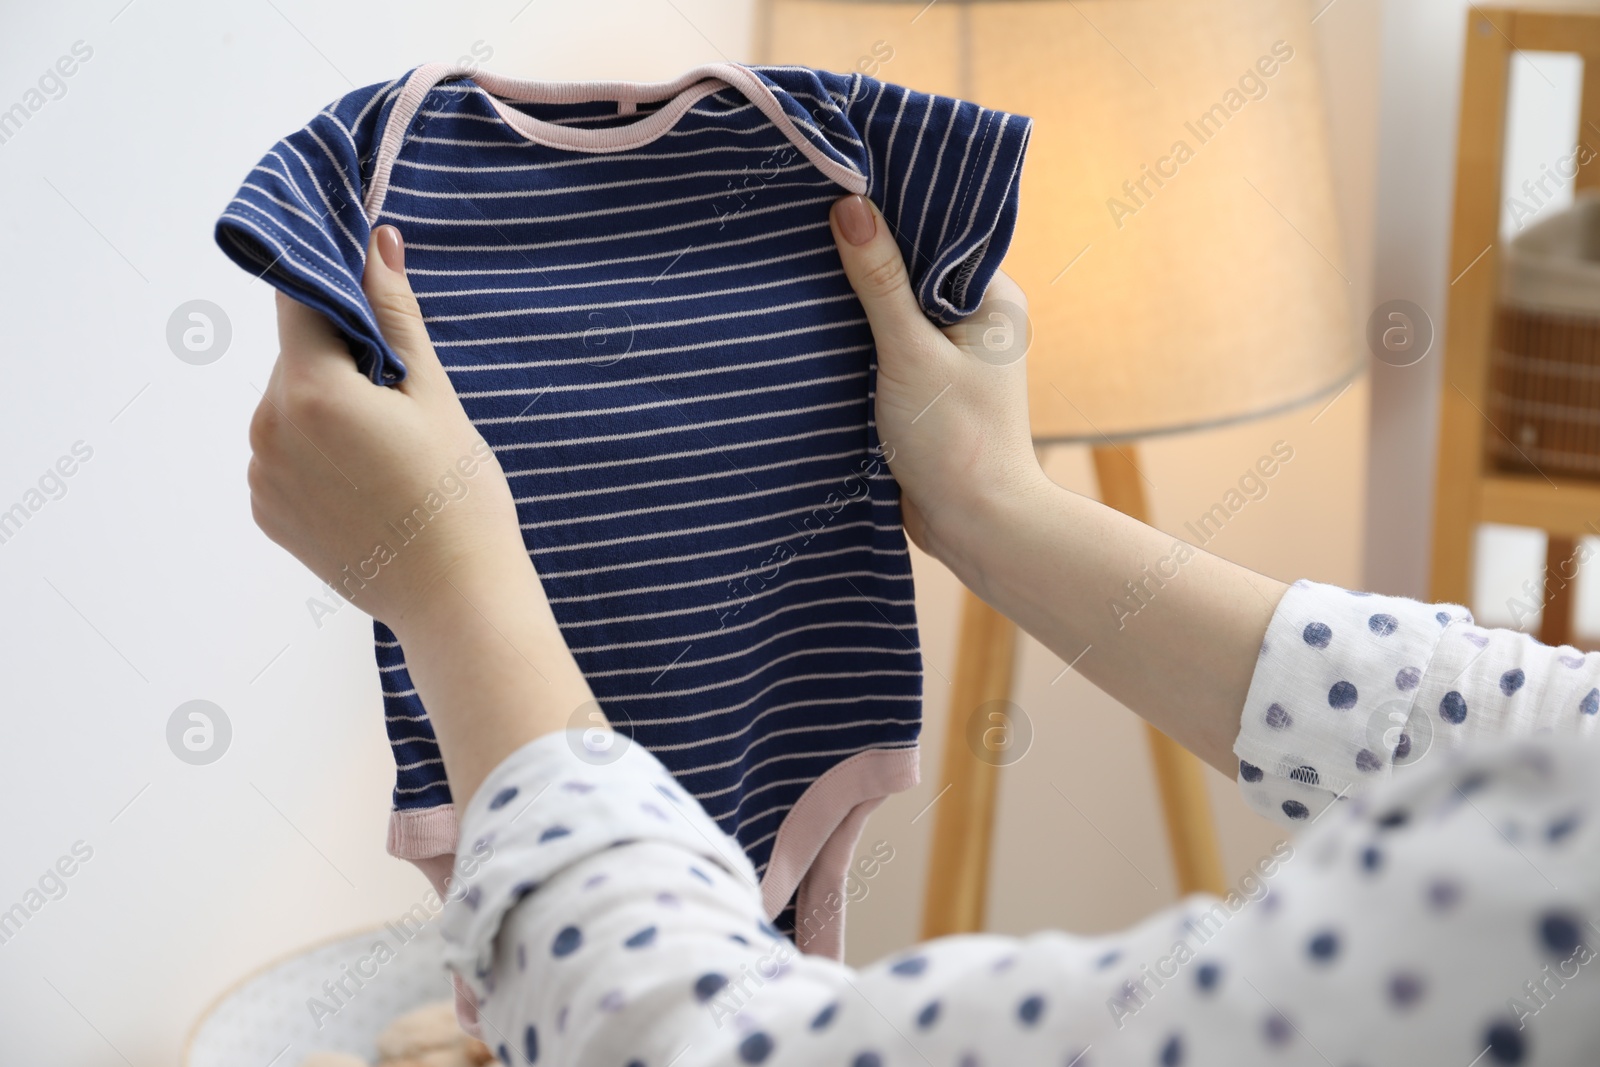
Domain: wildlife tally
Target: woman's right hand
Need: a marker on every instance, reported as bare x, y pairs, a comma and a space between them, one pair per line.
952, 412
952, 402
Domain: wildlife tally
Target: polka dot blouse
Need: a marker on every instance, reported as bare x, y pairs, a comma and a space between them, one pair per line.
1432, 903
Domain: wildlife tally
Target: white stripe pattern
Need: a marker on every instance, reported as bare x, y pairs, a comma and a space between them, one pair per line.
656, 339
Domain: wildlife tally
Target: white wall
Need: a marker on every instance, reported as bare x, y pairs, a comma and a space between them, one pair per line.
147, 584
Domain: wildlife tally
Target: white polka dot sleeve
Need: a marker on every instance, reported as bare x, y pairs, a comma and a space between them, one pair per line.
1352, 687
1441, 917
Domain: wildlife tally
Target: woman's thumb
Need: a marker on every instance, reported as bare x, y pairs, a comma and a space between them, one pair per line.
393, 303
877, 272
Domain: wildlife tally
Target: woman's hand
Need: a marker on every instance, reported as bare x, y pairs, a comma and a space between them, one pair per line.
381, 492
952, 413
392, 497
952, 402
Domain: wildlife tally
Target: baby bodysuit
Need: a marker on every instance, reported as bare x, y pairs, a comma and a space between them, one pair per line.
635, 292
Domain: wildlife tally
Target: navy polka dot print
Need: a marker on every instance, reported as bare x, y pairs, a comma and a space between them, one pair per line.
1402, 748
566, 942
1317, 634
1442, 896
709, 985
1324, 946
1505, 1043
1558, 829
1560, 933
1405, 990
755, 1048
1424, 911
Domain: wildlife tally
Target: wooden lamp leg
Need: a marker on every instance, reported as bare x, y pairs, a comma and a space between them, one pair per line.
1191, 835
1180, 776
963, 829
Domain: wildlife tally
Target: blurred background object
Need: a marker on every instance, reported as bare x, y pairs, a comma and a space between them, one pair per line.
1524, 326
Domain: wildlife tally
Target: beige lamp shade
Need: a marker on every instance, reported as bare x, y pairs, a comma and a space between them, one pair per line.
1177, 236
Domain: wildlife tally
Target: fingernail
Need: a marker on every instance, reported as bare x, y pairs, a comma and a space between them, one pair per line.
855, 219
392, 247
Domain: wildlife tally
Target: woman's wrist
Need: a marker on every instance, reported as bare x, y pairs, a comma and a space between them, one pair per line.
438, 600
487, 657
497, 599
974, 538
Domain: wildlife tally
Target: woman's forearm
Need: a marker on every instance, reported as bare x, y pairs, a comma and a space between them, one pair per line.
488, 660
1167, 629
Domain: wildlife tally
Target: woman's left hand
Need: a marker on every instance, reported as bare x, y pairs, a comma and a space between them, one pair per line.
380, 491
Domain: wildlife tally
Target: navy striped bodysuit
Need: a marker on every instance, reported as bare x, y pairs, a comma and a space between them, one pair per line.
636, 294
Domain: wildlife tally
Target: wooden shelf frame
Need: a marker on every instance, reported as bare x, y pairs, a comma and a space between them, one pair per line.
1468, 491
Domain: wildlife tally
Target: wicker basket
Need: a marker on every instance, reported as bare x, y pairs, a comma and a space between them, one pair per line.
1544, 393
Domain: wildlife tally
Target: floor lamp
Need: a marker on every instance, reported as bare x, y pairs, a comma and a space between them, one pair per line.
1179, 246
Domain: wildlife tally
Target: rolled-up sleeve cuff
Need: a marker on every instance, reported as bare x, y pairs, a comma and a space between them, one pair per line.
1332, 706
548, 806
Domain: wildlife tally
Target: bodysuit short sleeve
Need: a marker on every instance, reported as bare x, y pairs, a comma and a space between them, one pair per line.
298, 221
944, 172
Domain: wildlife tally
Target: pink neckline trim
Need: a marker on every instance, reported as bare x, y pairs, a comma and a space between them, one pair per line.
682, 92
